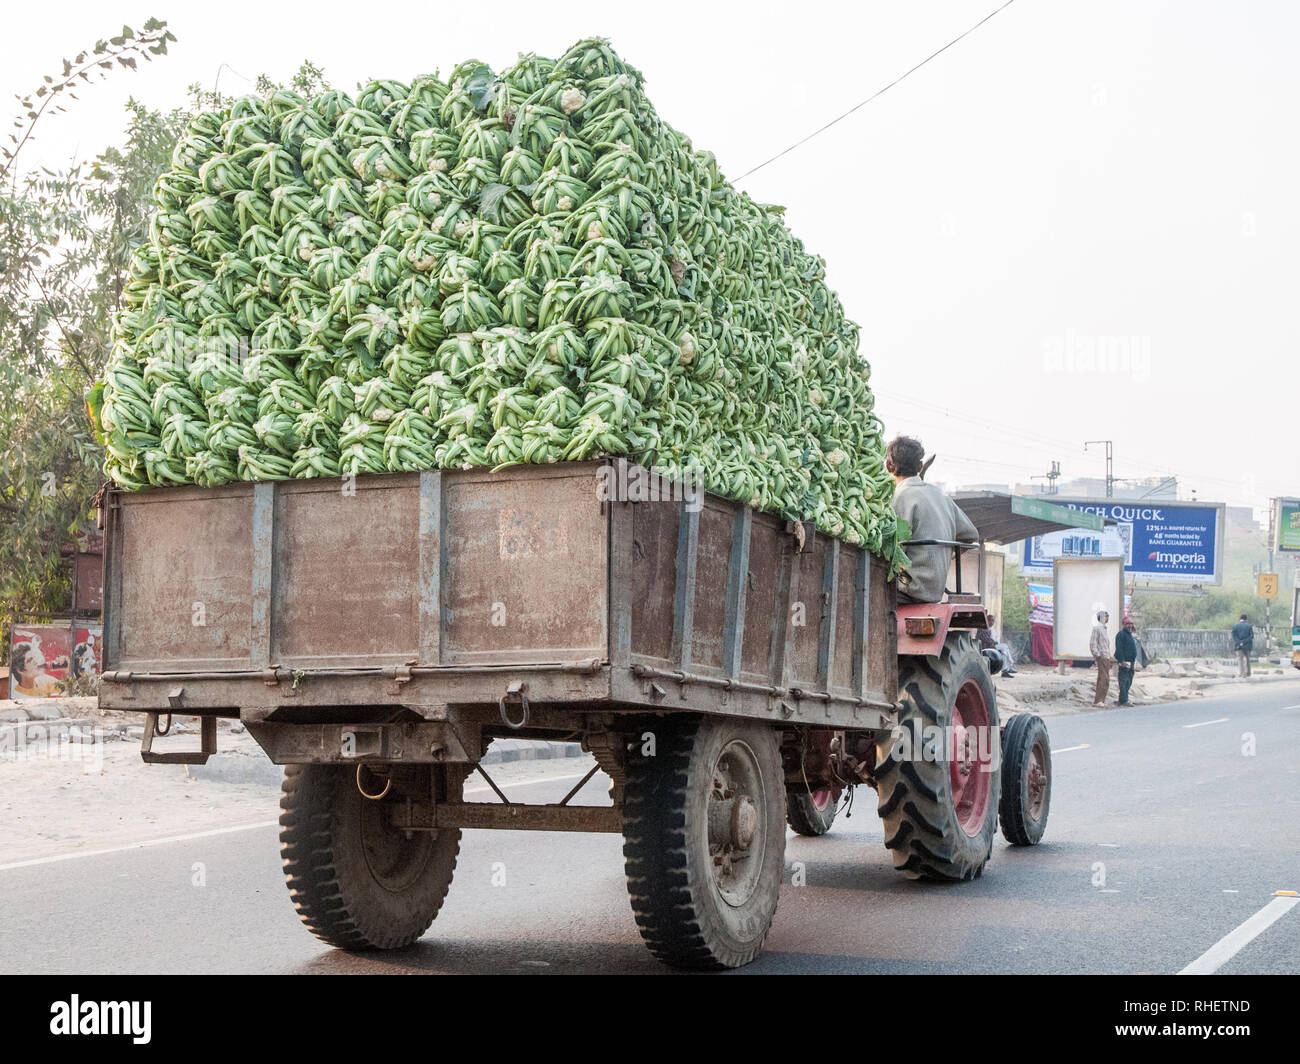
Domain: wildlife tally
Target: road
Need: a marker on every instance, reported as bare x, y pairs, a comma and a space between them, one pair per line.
1164, 837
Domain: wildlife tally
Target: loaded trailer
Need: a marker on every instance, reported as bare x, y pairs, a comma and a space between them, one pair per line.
728, 670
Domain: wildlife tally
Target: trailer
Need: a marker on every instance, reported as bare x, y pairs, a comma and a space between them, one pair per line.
728, 669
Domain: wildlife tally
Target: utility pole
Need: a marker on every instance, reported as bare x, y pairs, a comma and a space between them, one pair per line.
1050, 476
1110, 464
1268, 603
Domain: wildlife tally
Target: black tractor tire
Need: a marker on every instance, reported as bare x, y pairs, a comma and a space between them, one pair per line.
928, 836
804, 815
704, 840
358, 883
1026, 780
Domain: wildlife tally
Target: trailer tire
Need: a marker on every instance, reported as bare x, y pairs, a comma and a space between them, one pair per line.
358, 883
707, 801
930, 833
810, 814
1026, 780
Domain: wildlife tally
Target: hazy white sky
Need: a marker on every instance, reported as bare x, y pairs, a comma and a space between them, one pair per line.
1079, 223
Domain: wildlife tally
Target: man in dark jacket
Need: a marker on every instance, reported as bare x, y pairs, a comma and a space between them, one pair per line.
1126, 652
1243, 642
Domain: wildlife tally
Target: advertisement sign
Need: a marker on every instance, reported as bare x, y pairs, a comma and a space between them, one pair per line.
1287, 522
1181, 543
1083, 587
1040, 603
54, 660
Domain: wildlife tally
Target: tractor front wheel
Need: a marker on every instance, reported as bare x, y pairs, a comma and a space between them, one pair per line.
1026, 780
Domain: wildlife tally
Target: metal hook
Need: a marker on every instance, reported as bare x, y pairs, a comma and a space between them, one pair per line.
373, 797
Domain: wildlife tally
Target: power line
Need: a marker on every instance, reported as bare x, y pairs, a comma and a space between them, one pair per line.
878, 92
993, 430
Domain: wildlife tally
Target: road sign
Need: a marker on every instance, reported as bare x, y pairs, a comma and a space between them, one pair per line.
1267, 586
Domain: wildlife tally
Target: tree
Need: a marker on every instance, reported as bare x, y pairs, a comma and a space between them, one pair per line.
65, 243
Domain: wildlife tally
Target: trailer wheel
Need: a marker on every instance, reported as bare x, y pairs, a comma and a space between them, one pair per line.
704, 840
1026, 780
937, 777
357, 882
810, 814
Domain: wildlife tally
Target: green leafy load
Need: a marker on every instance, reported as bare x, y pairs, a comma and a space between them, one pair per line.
491, 271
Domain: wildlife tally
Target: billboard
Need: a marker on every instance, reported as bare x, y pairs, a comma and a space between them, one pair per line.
1286, 520
1180, 542
54, 660
1040, 604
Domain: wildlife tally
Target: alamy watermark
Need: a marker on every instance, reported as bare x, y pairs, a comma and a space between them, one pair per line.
1080, 353
624, 481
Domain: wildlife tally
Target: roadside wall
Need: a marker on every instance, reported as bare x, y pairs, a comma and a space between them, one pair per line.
1185, 643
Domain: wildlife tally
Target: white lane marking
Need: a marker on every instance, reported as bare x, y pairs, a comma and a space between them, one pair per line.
1109, 845
1221, 720
138, 845
1291, 707
1237, 939
227, 831
1067, 749
1232, 892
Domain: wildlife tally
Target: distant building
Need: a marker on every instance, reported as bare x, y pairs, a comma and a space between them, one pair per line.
1242, 518
1095, 488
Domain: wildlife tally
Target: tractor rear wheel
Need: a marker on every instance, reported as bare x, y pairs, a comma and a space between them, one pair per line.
704, 840
1026, 780
936, 776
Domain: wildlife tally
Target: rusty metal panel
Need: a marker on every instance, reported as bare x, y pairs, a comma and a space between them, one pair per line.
709, 621
527, 558
183, 570
808, 610
448, 587
652, 578
432, 566
738, 580
882, 634
347, 571
842, 678
688, 555
768, 557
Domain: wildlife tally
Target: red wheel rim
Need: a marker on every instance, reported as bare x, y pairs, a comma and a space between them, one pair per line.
822, 799
970, 768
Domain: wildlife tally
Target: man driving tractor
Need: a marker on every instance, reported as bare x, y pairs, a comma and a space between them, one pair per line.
931, 515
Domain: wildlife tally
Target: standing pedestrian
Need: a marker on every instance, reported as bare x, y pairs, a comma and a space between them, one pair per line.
1243, 642
1100, 649
1126, 654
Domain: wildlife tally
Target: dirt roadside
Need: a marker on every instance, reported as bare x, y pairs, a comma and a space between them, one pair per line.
1049, 693
61, 795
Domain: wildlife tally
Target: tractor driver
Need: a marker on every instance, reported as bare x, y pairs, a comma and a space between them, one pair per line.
931, 515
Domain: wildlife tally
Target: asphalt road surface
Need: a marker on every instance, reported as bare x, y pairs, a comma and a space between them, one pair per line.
1164, 838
